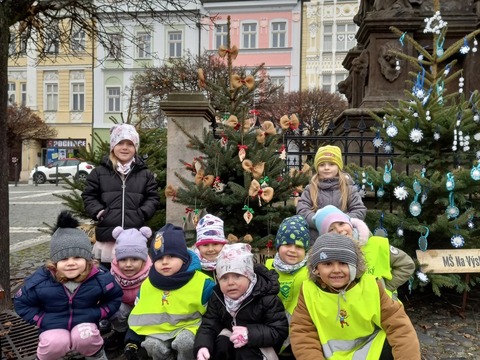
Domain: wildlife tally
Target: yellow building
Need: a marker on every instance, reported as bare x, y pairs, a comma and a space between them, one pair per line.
59, 89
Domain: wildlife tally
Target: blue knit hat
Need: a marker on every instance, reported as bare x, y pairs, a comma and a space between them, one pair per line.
293, 230
169, 240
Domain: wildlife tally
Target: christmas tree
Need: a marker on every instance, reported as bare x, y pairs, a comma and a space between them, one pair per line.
428, 190
241, 175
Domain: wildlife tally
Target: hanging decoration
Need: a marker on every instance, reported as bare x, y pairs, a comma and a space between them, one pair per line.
400, 232
415, 208
380, 230
452, 211
475, 172
242, 152
255, 169
392, 130
218, 186
291, 122
377, 140
171, 191
388, 147
206, 180
400, 192
380, 191
283, 152
387, 175
423, 239
266, 193
237, 81
416, 134
457, 240
465, 48
266, 129
201, 79
434, 24
422, 277
248, 215
233, 122
223, 51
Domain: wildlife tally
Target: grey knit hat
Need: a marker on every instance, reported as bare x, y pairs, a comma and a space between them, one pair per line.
334, 247
68, 241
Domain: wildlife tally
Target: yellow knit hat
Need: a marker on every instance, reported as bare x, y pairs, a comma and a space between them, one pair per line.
329, 153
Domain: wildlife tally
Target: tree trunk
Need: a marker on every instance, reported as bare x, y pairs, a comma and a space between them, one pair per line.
5, 301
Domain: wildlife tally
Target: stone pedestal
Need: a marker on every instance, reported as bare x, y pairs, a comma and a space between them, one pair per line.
193, 113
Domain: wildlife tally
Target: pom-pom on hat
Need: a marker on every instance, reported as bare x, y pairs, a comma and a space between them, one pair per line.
334, 247
235, 258
169, 240
69, 241
293, 230
210, 230
131, 243
328, 153
328, 215
123, 132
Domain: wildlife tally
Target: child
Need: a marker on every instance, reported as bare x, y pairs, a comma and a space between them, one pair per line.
329, 186
171, 300
210, 241
388, 263
343, 313
119, 192
130, 268
68, 296
290, 263
245, 319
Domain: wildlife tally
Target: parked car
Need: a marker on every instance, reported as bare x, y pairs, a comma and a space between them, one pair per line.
62, 168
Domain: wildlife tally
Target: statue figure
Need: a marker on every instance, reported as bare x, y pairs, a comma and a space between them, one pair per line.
388, 61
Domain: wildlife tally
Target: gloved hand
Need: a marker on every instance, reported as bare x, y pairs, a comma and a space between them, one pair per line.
203, 354
239, 336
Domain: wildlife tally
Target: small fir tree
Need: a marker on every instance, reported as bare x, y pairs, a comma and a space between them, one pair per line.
435, 135
241, 175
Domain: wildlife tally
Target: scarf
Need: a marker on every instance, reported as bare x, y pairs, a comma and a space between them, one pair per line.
172, 282
124, 169
233, 305
127, 282
207, 265
281, 266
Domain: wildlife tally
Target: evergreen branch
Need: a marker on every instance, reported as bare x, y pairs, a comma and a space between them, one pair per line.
458, 44
412, 41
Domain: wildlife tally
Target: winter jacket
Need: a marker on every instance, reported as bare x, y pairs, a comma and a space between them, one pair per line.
48, 304
400, 332
401, 265
262, 313
329, 194
130, 285
128, 202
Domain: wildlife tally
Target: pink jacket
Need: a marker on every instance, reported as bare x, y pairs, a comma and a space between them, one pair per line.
130, 284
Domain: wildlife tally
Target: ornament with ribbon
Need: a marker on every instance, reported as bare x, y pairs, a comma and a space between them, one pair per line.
201, 178
387, 175
423, 239
380, 230
400, 192
380, 191
197, 164
171, 191
223, 141
475, 172
233, 122
201, 79
233, 51
471, 215
242, 152
452, 211
248, 215
283, 152
255, 169
256, 190
237, 81
291, 122
366, 181
415, 208
377, 140
264, 181
266, 129
217, 185
450, 182
193, 215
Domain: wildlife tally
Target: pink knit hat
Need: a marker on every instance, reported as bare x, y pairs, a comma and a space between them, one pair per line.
235, 258
210, 230
123, 132
328, 215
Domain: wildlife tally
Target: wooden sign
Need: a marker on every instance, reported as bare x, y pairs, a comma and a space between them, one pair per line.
449, 261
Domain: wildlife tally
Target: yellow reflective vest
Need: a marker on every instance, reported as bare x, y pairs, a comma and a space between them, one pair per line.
350, 327
163, 314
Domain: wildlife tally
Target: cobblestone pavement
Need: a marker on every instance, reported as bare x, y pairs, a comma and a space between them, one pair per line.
443, 330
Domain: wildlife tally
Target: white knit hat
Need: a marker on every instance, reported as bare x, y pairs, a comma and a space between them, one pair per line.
210, 230
236, 258
123, 132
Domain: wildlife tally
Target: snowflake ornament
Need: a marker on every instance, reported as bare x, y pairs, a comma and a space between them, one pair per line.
388, 147
457, 241
420, 93
436, 136
416, 135
392, 131
477, 136
465, 47
400, 192
422, 277
377, 141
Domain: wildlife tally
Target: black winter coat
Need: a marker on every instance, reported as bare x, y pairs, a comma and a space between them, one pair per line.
128, 202
262, 313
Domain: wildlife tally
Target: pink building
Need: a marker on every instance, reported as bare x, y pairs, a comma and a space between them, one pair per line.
265, 31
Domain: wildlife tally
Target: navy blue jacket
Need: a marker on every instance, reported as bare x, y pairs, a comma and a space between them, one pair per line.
46, 303
133, 199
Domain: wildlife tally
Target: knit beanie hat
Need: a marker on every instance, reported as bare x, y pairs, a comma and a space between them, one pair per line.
293, 230
210, 230
169, 240
131, 243
69, 241
328, 215
236, 258
334, 247
123, 132
329, 153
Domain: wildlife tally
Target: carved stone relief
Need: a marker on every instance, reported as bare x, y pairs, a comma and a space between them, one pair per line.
387, 61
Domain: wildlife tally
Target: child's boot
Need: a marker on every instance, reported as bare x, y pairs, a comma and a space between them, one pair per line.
115, 341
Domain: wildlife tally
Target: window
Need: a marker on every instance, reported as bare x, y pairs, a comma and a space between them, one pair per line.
278, 81
327, 38
78, 41
11, 93
144, 45
175, 44
279, 31
345, 36
113, 99
221, 34
23, 44
249, 36
23, 87
327, 83
78, 96
115, 46
51, 97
